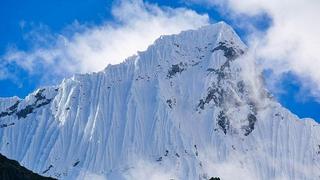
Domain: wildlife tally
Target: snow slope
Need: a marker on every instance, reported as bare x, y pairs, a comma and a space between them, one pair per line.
189, 107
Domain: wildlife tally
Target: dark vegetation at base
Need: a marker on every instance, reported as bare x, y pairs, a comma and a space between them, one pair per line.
12, 170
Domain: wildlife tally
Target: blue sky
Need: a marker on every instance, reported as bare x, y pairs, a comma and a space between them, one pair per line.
20, 20
19, 17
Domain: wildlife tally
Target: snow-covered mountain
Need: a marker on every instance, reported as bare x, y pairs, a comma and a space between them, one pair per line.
189, 107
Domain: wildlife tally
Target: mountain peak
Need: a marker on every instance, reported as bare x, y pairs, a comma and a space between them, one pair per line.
213, 33
189, 42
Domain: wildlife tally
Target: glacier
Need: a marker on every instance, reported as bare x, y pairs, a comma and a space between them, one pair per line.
189, 107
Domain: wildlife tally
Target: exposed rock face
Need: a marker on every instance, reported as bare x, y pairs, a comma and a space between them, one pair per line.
181, 108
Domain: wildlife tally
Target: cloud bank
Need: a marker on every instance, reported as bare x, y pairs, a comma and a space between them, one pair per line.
290, 44
82, 49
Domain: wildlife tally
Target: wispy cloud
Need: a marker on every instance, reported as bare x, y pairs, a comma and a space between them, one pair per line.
91, 48
290, 44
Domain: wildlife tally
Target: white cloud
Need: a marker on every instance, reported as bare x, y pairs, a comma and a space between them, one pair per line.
88, 48
292, 42
145, 170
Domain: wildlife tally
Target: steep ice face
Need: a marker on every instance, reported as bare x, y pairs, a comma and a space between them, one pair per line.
179, 110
